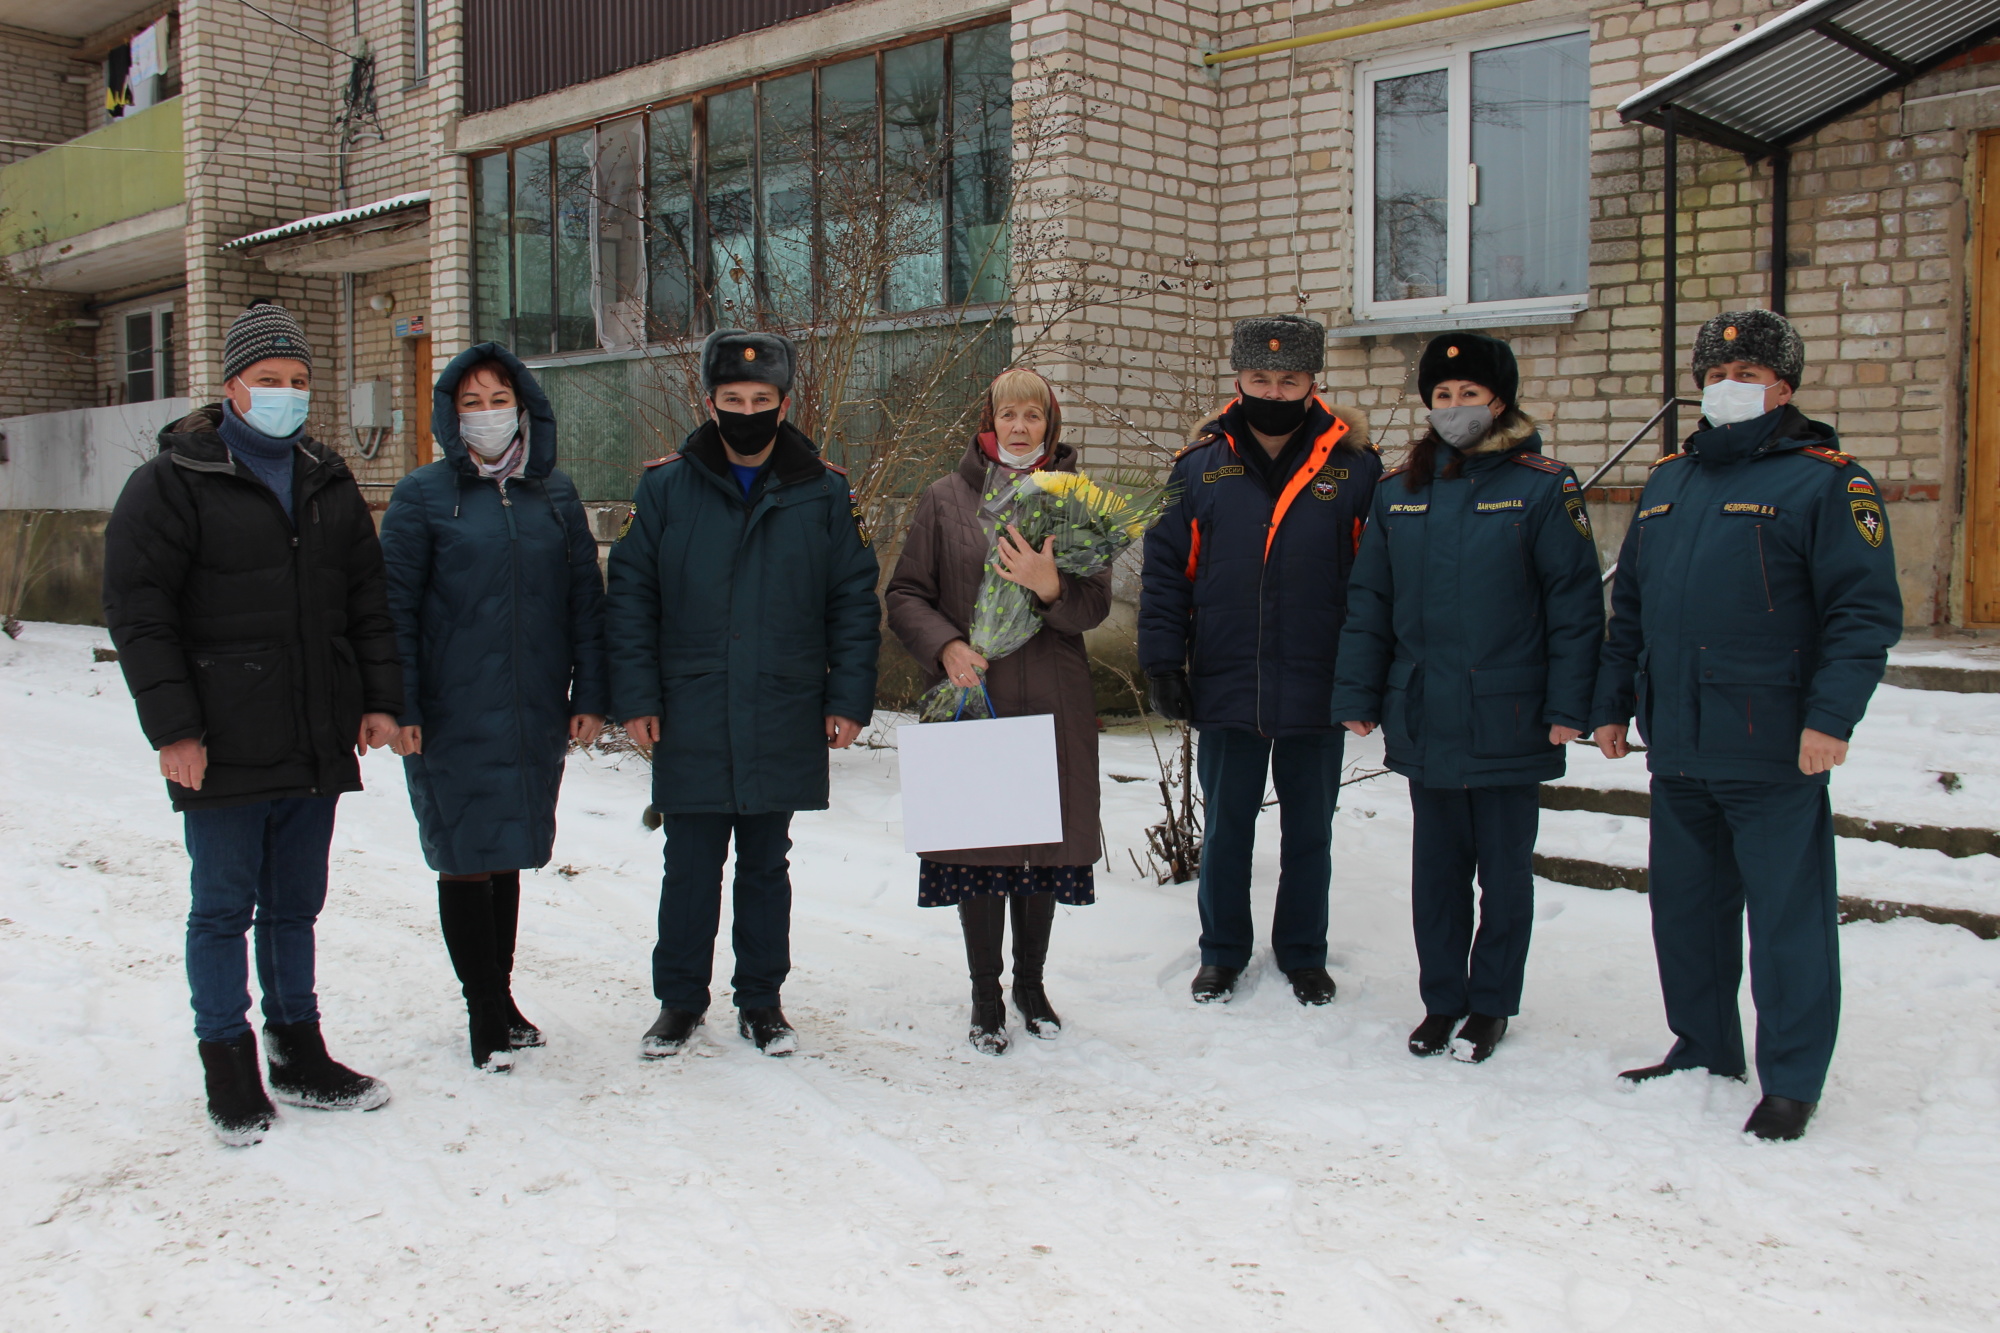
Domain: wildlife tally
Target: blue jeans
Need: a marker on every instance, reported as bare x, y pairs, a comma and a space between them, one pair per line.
691, 908
1306, 771
261, 868
1460, 831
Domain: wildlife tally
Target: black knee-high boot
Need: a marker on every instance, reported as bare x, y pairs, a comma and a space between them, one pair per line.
1034, 917
983, 918
465, 912
506, 924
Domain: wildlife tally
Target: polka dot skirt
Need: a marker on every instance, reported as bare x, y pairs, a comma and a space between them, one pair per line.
941, 885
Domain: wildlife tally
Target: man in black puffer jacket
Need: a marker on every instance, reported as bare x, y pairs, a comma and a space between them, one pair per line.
243, 588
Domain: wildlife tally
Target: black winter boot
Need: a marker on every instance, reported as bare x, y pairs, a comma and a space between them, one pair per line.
983, 918
1312, 985
303, 1074
1478, 1038
1780, 1119
1431, 1036
1214, 985
670, 1032
766, 1025
466, 915
237, 1106
506, 925
1034, 917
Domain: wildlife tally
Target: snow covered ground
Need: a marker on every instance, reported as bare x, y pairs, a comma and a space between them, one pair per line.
1159, 1167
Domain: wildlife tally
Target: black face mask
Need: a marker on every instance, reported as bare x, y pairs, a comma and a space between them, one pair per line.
1274, 416
748, 432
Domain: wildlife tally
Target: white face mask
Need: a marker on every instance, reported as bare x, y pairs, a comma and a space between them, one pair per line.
1025, 458
1732, 402
489, 433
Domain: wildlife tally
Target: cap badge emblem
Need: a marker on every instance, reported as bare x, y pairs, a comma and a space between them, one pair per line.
749, 354
1729, 334
1451, 351
1275, 344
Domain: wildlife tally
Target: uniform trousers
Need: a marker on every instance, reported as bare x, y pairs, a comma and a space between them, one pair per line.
1721, 847
1306, 772
1459, 831
691, 908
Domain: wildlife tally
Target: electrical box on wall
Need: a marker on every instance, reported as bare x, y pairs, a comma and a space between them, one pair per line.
370, 406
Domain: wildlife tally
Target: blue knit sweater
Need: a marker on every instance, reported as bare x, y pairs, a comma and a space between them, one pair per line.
269, 459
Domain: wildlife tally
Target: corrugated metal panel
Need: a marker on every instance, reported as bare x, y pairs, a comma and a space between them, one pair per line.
1788, 77
517, 49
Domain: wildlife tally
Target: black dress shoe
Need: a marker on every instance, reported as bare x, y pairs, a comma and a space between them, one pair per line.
767, 1027
1661, 1070
1478, 1038
1780, 1119
670, 1032
1312, 985
1214, 985
1431, 1036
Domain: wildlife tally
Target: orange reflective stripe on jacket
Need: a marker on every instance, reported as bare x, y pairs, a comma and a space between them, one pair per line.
1322, 450
1194, 547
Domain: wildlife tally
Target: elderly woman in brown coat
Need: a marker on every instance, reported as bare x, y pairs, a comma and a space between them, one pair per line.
959, 525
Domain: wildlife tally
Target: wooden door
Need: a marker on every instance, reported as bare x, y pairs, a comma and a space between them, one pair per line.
1982, 434
420, 391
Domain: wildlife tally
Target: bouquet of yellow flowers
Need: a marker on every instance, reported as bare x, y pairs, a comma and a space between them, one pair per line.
1091, 525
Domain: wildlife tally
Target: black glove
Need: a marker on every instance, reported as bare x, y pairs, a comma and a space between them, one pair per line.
1171, 697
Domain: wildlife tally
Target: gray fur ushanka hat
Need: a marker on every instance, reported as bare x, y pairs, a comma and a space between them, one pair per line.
732, 356
1761, 337
1278, 342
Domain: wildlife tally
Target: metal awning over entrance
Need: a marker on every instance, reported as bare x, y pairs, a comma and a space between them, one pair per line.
323, 221
1807, 68
1771, 88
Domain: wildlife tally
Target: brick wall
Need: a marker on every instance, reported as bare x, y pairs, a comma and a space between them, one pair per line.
37, 102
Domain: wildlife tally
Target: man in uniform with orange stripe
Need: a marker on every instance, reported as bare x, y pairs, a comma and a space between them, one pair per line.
1245, 594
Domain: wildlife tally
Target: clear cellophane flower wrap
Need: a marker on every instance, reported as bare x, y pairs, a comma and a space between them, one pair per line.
1091, 524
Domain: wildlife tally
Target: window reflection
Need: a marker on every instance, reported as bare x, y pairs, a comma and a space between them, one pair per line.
1531, 144
1412, 133
877, 184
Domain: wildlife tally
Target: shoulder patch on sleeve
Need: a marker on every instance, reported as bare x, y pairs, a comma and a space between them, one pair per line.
668, 458
1668, 459
854, 510
1540, 462
1829, 456
626, 526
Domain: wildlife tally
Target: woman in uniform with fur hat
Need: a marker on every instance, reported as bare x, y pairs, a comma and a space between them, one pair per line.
1473, 622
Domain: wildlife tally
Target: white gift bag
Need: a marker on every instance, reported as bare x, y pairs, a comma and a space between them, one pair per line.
989, 783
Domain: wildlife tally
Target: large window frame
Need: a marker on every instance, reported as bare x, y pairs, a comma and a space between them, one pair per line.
1460, 184
962, 277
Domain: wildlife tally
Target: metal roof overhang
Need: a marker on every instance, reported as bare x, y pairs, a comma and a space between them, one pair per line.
1809, 67
322, 221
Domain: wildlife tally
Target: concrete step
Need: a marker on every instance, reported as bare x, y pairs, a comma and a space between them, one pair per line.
1953, 679
1959, 665
1606, 849
1953, 842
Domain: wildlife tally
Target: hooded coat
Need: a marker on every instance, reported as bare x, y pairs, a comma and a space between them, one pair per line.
264, 637
930, 599
743, 623
1474, 617
498, 605
1246, 589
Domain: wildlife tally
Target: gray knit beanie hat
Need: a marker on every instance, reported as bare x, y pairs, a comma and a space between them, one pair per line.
264, 330
1278, 342
1760, 337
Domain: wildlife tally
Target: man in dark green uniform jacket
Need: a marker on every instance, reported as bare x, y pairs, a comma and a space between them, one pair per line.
742, 629
1755, 605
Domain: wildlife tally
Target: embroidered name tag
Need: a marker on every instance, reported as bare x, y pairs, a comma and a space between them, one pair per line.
1233, 470
1496, 506
1336, 473
1654, 512
1755, 511
1410, 509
